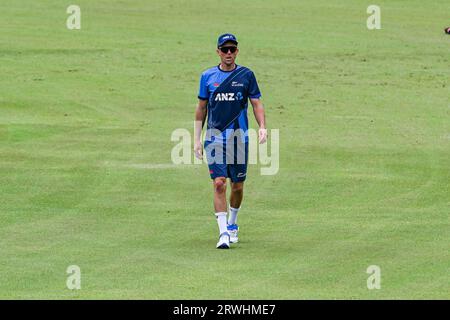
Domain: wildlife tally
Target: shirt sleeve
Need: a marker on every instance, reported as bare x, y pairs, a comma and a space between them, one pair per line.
203, 90
253, 89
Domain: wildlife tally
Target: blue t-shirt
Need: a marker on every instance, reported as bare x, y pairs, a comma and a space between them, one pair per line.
227, 93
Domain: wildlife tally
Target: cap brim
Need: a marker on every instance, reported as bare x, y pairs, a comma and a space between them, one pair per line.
221, 44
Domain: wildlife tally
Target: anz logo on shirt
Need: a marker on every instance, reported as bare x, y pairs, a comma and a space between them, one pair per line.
231, 96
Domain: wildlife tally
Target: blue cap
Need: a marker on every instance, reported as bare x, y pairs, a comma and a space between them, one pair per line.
226, 37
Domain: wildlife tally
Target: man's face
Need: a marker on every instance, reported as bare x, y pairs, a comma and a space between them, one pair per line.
227, 57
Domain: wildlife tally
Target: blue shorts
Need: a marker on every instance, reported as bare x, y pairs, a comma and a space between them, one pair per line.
227, 162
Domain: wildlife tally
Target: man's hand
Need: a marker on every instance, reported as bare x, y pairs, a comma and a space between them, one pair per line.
262, 133
198, 149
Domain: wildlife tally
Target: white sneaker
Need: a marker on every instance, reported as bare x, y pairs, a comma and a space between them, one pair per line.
233, 231
224, 241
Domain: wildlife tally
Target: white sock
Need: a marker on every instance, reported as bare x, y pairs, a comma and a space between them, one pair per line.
233, 215
222, 221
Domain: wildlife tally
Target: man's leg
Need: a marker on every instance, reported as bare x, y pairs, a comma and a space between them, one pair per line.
237, 193
220, 206
220, 194
218, 172
237, 174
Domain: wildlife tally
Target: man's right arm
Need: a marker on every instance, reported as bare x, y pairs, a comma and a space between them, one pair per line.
200, 116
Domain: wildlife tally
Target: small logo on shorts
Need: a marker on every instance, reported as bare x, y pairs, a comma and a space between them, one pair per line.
241, 174
211, 172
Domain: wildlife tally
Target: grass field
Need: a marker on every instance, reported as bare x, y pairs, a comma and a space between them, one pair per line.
86, 118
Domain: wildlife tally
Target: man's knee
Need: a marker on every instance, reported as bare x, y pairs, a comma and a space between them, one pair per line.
220, 184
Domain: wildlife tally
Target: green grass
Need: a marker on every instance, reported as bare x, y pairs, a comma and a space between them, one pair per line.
364, 119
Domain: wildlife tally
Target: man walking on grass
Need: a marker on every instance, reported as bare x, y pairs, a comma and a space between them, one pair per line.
223, 97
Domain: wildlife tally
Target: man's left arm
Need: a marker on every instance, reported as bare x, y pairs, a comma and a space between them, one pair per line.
258, 111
